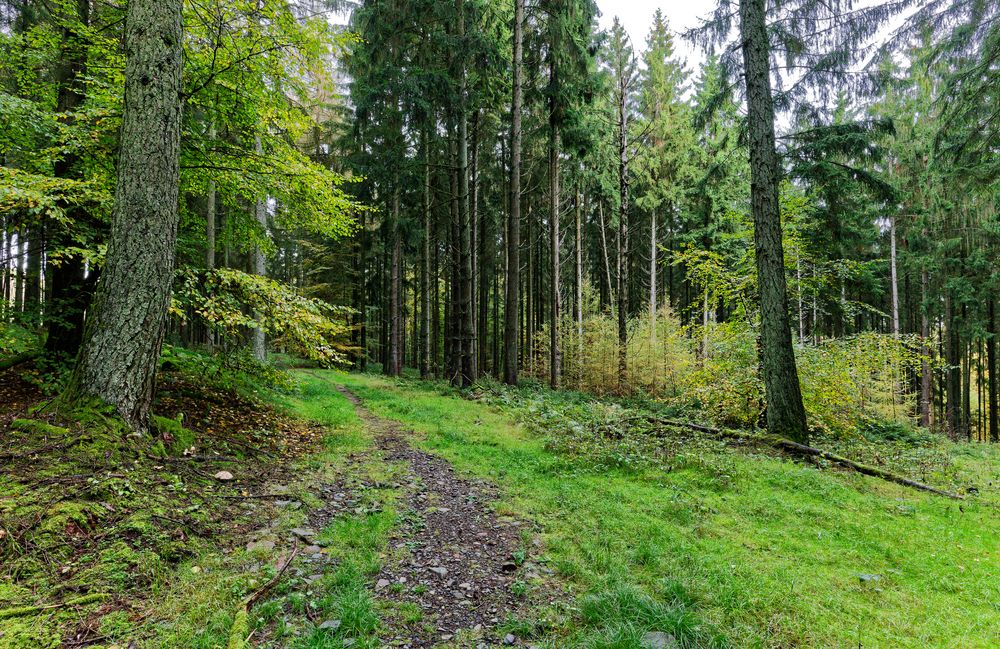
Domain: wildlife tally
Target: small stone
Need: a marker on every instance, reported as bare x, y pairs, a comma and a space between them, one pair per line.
330, 625
224, 476
304, 533
439, 571
382, 583
658, 640
509, 639
254, 546
348, 642
311, 549
446, 637
195, 569
865, 578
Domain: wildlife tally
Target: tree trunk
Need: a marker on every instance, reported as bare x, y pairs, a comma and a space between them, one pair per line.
893, 278
926, 377
260, 268
512, 283
785, 413
991, 369
652, 277
623, 182
210, 216
466, 313
124, 334
425, 267
394, 361
953, 387
555, 359
513, 280
579, 281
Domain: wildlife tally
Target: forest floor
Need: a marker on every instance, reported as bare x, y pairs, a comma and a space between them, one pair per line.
359, 511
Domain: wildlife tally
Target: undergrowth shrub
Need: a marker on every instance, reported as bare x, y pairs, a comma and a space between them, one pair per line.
711, 372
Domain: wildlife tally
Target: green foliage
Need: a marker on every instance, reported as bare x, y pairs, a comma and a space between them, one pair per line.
16, 340
232, 302
236, 370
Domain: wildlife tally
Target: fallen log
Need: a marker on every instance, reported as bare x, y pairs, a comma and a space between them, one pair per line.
21, 611
18, 359
804, 450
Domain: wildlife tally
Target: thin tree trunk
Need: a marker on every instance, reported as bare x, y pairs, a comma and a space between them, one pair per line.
786, 415
953, 402
652, 278
260, 268
513, 280
555, 359
70, 288
210, 215
124, 334
893, 278
425, 267
623, 247
579, 280
991, 369
394, 365
604, 251
466, 313
926, 378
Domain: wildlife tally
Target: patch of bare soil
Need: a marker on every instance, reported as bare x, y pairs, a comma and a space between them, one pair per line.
452, 556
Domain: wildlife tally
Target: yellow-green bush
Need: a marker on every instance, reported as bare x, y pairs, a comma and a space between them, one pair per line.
714, 370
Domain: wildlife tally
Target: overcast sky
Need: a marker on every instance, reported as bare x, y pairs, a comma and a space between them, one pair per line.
637, 16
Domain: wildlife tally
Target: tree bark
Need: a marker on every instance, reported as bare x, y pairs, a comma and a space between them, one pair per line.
425, 268
991, 369
124, 334
513, 280
466, 313
555, 359
623, 187
893, 278
260, 267
785, 413
926, 377
652, 276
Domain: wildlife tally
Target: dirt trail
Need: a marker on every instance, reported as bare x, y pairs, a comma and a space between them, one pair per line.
452, 556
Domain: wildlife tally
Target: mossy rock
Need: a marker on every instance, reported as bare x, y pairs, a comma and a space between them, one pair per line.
173, 429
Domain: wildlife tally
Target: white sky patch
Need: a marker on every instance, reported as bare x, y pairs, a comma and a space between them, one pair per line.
637, 17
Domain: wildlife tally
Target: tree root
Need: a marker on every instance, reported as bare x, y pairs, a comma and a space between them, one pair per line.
239, 632
803, 450
21, 611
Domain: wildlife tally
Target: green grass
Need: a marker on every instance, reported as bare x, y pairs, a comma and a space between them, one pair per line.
763, 551
197, 611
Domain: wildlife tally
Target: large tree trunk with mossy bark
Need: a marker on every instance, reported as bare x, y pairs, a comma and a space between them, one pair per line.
786, 415
124, 333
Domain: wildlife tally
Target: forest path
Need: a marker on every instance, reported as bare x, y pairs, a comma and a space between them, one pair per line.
451, 556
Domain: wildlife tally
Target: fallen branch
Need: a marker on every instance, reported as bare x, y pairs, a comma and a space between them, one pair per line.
796, 448
238, 634
14, 361
21, 611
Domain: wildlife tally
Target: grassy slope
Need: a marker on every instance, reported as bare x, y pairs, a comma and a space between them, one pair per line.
769, 550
